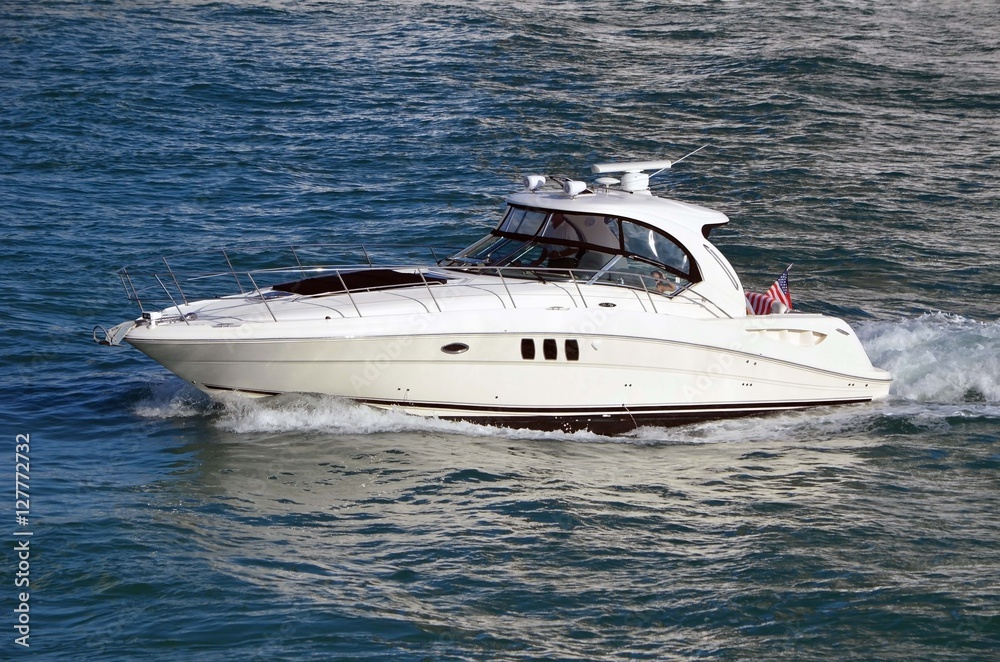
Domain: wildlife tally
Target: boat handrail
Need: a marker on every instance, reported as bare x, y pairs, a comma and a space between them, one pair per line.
169, 281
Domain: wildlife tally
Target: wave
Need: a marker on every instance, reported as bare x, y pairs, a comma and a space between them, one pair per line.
171, 398
937, 357
311, 412
308, 412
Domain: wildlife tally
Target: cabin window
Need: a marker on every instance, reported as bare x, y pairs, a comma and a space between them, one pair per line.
648, 243
572, 350
491, 249
522, 221
549, 349
527, 349
633, 272
594, 240
562, 228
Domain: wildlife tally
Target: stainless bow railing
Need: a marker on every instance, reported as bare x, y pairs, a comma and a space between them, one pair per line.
195, 276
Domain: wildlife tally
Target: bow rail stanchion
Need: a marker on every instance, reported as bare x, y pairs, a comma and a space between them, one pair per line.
261, 295
170, 296
427, 285
177, 284
297, 261
233, 271
513, 304
130, 291
349, 295
576, 282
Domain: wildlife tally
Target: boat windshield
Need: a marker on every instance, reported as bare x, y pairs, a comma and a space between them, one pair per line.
592, 246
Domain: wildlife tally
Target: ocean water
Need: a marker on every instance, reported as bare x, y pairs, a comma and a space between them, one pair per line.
859, 140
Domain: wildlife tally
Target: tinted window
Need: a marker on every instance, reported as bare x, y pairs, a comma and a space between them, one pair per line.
650, 244
522, 221
561, 228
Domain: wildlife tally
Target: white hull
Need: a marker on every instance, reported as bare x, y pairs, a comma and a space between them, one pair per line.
675, 371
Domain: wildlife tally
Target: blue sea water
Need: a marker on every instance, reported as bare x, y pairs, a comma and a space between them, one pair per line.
859, 140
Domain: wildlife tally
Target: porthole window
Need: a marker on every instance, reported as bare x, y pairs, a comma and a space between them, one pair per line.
527, 349
455, 348
572, 350
549, 349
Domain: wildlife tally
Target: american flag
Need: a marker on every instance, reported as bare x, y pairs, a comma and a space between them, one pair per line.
761, 304
780, 291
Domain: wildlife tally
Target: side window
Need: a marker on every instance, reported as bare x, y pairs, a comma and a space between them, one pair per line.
488, 248
644, 276
599, 231
507, 252
562, 228
650, 244
522, 221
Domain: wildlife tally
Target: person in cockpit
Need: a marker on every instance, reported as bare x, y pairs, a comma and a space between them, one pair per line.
660, 282
557, 255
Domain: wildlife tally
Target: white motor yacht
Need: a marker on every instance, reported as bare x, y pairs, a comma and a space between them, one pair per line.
594, 306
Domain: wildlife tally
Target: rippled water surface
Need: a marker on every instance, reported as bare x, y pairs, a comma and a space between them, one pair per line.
858, 140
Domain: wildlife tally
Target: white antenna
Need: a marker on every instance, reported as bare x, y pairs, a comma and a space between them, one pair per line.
690, 153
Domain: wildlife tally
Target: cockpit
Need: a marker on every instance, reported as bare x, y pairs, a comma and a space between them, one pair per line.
539, 243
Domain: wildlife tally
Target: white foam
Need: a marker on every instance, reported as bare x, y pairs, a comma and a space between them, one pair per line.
937, 357
799, 425
172, 398
318, 413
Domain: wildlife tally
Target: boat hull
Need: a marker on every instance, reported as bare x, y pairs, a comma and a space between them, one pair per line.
569, 373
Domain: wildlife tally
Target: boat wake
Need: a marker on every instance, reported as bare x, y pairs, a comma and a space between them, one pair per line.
313, 413
946, 371
937, 357
172, 398
310, 412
